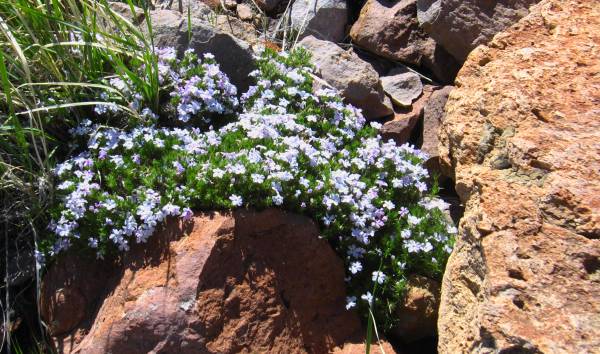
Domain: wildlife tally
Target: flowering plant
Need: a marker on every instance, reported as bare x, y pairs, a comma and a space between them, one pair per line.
289, 147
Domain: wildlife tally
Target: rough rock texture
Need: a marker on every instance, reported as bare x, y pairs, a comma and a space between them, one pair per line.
433, 116
359, 347
323, 19
247, 282
402, 85
267, 5
522, 133
390, 29
356, 79
419, 312
461, 25
405, 119
237, 28
244, 12
170, 28
196, 8
123, 9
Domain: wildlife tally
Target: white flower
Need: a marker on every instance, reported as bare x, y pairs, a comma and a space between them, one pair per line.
257, 178
378, 277
451, 229
218, 173
187, 214
388, 205
367, 297
405, 234
296, 76
277, 199
413, 220
355, 267
65, 185
350, 302
236, 200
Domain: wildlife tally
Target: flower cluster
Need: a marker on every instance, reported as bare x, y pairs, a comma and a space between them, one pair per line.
196, 88
290, 147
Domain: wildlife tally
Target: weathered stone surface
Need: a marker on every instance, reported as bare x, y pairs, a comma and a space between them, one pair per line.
405, 119
247, 282
419, 311
237, 28
433, 116
244, 12
135, 17
391, 30
521, 133
461, 25
230, 4
359, 347
323, 19
357, 81
267, 5
235, 57
402, 85
198, 9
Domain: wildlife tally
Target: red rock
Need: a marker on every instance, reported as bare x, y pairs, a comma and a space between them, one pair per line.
418, 313
461, 25
521, 135
247, 282
356, 79
433, 116
359, 347
390, 29
405, 119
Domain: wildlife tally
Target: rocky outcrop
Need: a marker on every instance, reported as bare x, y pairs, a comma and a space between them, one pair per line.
267, 5
400, 128
237, 28
461, 25
391, 30
241, 282
419, 311
244, 12
521, 134
402, 85
356, 79
359, 347
323, 19
433, 117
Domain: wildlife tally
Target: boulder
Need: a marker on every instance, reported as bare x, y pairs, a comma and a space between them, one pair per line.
521, 135
198, 9
401, 127
461, 25
402, 85
356, 79
235, 57
220, 283
323, 19
267, 5
433, 117
124, 10
237, 28
230, 4
359, 347
390, 29
418, 313
244, 12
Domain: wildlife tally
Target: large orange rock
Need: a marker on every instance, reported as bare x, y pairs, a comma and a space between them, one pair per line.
522, 135
242, 282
